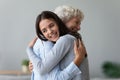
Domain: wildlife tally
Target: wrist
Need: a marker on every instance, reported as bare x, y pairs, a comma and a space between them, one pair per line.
77, 61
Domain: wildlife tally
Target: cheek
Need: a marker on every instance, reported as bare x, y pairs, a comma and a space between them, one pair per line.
69, 27
56, 29
45, 35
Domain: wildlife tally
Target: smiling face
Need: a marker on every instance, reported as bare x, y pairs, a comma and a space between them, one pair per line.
49, 29
73, 24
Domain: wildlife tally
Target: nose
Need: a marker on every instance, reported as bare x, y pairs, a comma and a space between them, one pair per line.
78, 27
49, 31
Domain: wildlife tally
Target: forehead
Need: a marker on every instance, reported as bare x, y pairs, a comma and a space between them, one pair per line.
45, 22
72, 21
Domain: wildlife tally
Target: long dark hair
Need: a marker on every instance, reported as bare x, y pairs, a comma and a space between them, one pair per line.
50, 15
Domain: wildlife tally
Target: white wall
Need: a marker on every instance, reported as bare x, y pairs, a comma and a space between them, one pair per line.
100, 30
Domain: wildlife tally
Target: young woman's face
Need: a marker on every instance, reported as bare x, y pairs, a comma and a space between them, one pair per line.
73, 24
50, 30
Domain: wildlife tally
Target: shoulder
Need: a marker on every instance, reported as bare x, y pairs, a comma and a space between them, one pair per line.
39, 43
66, 38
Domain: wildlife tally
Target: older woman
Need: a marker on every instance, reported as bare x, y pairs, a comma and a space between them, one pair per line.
73, 17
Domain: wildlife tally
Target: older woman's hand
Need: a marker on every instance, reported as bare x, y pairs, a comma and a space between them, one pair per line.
79, 51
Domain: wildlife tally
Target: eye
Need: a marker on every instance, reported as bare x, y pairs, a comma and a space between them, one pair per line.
78, 22
43, 30
72, 29
51, 25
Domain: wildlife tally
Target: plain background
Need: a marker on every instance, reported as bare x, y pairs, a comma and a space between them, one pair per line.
100, 30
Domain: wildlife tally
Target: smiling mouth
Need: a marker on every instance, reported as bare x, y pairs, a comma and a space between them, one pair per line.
53, 36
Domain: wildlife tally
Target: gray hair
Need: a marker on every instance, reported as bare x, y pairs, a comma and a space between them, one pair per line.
68, 12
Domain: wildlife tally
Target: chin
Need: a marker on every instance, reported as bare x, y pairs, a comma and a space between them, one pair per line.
56, 39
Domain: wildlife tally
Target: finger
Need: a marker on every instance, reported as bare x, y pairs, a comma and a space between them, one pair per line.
29, 62
36, 38
75, 45
76, 42
82, 44
79, 43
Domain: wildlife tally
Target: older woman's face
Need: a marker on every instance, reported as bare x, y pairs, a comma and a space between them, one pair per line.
73, 24
49, 29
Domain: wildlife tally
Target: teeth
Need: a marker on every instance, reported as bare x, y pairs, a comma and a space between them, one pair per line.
52, 35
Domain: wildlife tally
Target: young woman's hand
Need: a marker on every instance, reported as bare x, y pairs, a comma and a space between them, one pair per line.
79, 51
30, 66
31, 44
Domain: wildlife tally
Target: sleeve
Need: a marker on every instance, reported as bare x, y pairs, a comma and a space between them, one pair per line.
53, 57
69, 72
37, 46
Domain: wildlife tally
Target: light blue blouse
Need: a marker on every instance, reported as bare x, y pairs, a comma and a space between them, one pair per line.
46, 63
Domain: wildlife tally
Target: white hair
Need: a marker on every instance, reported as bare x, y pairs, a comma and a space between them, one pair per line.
68, 12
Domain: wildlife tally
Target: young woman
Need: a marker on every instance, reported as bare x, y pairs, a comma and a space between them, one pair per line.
50, 27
